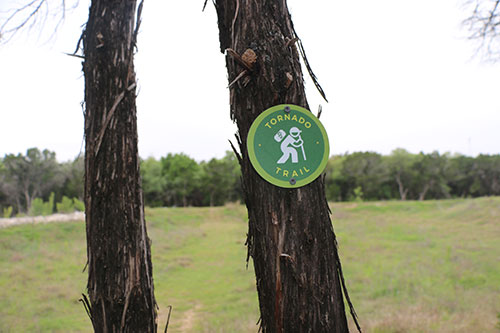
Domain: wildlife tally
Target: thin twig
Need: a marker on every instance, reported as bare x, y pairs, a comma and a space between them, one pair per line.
88, 309
74, 55
86, 305
79, 41
242, 74
138, 23
291, 42
306, 63
86, 265
18, 27
320, 109
344, 289
168, 318
238, 156
31, 14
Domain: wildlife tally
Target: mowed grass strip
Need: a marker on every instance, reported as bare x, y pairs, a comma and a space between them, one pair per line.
431, 266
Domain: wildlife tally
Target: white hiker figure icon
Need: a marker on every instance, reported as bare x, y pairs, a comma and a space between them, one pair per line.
290, 145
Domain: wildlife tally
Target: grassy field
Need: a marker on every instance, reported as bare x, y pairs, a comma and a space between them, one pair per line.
430, 266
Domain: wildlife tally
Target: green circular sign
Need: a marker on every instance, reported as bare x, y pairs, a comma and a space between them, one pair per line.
288, 146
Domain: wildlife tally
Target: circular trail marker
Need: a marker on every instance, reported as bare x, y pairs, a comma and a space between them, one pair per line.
288, 146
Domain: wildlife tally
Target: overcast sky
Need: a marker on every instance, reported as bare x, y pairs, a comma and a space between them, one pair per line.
398, 74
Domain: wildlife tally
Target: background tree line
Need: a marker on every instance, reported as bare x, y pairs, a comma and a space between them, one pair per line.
406, 176
35, 178
178, 180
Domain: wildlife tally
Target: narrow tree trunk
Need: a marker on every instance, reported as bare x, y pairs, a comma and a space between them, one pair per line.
18, 203
120, 283
421, 196
402, 190
27, 197
290, 237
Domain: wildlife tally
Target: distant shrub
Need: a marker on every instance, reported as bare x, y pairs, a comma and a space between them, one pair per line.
39, 207
66, 205
79, 205
7, 212
358, 194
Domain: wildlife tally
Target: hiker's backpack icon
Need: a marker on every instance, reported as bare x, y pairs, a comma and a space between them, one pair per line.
290, 145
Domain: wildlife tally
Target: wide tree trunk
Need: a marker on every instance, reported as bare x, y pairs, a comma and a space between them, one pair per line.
290, 237
120, 284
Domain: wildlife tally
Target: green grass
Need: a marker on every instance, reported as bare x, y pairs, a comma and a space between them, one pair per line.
430, 266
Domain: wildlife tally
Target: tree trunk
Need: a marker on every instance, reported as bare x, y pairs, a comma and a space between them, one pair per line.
27, 197
290, 237
120, 283
421, 196
402, 190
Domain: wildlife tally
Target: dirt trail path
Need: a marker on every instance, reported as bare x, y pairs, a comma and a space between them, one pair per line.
76, 216
188, 319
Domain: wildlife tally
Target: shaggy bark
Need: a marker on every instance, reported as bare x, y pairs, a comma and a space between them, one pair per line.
290, 236
120, 283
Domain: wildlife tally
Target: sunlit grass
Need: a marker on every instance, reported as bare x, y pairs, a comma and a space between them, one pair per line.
410, 267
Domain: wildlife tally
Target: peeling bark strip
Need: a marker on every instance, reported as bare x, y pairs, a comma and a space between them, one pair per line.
290, 236
120, 284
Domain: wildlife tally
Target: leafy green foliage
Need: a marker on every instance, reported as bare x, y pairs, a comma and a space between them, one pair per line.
178, 180
181, 174
358, 194
29, 176
79, 205
40, 207
153, 182
402, 175
220, 180
7, 212
73, 175
66, 205
366, 170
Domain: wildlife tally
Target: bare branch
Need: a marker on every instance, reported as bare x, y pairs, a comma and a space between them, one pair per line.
35, 14
483, 27
32, 8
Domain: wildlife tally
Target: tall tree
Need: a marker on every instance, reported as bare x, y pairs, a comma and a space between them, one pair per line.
73, 174
221, 179
30, 176
461, 175
431, 175
366, 171
400, 168
290, 236
181, 176
153, 183
486, 172
120, 283
335, 182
